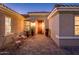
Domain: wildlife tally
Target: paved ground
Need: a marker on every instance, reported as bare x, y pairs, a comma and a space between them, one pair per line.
38, 45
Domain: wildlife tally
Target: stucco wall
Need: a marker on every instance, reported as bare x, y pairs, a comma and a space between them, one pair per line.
17, 25
62, 28
69, 42
66, 35
54, 27
46, 23
2, 24
66, 25
2, 28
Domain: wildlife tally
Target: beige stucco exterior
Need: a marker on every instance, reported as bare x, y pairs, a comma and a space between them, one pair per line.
54, 27
2, 25
17, 24
17, 20
61, 23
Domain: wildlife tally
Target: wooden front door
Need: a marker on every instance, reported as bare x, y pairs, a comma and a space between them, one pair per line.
39, 27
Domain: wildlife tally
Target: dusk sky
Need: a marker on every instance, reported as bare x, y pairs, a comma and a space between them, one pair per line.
24, 8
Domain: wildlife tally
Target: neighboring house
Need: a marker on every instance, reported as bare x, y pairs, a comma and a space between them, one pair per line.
64, 25
37, 21
10, 22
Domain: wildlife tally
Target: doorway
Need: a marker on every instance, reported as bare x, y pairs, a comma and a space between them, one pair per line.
40, 27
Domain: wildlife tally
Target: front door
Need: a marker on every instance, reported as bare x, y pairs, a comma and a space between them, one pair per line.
39, 27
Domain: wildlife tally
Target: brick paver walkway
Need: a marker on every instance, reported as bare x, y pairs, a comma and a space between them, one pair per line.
38, 45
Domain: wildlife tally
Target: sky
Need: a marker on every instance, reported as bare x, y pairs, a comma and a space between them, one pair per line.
24, 8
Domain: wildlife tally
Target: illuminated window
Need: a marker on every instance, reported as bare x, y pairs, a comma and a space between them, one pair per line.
76, 25
32, 24
7, 25
27, 25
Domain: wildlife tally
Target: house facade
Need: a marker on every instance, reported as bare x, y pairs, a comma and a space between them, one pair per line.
10, 22
64, 25
62, 22
37, 21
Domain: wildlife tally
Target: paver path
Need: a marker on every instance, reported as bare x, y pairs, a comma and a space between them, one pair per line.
38, 45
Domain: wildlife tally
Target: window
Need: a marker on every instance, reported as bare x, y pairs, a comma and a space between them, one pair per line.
33, 25
7, 25
27, 25
76, 25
